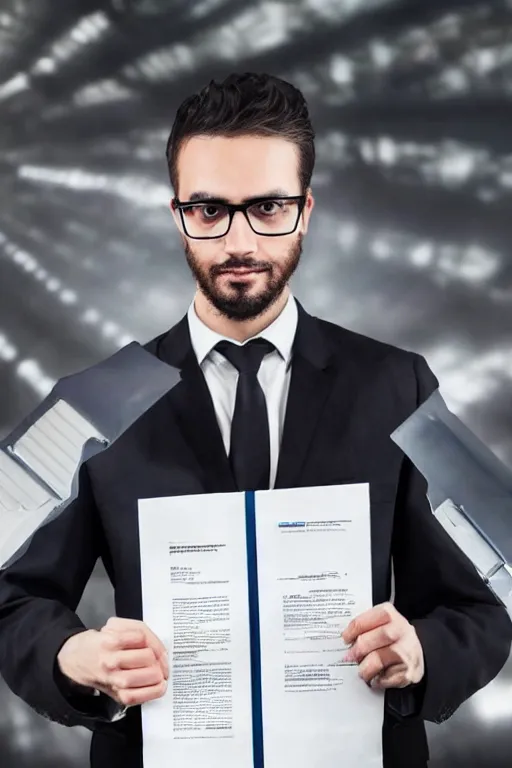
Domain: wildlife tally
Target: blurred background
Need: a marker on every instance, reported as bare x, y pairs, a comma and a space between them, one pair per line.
410, 240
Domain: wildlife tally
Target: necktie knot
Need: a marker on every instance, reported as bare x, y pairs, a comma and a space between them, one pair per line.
246, 358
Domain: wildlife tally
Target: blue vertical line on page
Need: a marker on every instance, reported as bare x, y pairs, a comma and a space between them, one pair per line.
254, 619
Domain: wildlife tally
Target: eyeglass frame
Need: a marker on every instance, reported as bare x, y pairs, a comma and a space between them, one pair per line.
232, 208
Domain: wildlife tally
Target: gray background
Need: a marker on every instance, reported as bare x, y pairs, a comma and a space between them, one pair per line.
409, 242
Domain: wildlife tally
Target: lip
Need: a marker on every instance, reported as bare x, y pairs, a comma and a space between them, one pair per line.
243, 271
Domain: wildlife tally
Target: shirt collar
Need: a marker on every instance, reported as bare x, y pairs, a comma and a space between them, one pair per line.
280, 333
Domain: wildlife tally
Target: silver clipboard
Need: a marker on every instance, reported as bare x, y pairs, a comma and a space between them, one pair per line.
82, 416
469, 488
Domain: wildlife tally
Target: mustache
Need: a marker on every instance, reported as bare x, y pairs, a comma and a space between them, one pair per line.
235, 263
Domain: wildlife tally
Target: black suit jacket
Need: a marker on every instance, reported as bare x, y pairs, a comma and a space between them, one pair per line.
347, 395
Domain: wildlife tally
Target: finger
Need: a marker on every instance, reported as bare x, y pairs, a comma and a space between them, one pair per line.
134, 628
164, 662
154, 642
117, 640
382, 637
119, 657
136, 678
134, 659
371, 619
376, 662
134, 696
393, 677
120, 623
157, 645
159, 650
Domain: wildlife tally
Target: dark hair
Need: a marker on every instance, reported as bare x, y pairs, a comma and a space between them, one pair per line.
246, 104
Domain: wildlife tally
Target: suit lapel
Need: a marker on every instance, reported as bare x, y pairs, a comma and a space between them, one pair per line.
311, 382
192, 405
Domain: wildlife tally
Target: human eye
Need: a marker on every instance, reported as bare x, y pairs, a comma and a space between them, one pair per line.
210, 211
269, 207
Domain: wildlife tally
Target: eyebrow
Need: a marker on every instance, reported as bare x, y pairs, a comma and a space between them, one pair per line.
200, 196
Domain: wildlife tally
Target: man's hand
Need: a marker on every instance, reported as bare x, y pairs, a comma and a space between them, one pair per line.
386, 648
124, 659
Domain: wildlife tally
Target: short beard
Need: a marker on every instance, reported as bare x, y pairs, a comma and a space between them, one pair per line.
240, 305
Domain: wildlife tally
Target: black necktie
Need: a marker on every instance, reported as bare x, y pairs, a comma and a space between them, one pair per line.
249, 454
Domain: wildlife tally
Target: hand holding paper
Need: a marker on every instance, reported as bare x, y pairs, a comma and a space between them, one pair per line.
386, 647
124, 659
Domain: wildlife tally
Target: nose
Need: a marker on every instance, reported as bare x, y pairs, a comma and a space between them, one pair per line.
240, 240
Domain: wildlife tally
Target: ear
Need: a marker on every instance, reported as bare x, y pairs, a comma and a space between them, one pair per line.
308, 207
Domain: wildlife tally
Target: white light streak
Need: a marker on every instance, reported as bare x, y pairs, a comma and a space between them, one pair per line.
381, 249
102, 92
65, 295
263, 28
472, 264
387, 150
341, 70
110, 329
44, 66
468, 377
457, 167
68, 297
382, 54
91, 316
454, 80
422, 254
137, 189
16, 84
8, 352
53, 284
333, 147
31, 372
89, 29
164, 64
347, 236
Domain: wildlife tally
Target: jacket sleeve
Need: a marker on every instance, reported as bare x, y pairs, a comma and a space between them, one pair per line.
39, 594
463, 628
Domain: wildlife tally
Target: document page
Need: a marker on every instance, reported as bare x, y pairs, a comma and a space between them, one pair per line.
195, 598
314, 576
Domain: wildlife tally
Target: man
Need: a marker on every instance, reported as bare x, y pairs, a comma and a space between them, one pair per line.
269, 397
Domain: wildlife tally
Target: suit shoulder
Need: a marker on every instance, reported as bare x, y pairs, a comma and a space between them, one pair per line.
344, 341
153, 345
409, 371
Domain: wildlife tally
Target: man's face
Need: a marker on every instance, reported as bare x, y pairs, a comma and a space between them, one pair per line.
242, 273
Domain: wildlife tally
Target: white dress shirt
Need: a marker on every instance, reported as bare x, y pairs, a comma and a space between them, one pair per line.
274, 374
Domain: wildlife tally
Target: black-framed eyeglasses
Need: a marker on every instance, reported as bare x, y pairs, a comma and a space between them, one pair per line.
212, 218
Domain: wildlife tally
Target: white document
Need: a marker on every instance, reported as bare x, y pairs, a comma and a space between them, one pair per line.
313, 575
194, 592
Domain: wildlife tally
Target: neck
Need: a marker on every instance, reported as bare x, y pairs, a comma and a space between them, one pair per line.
239, 330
